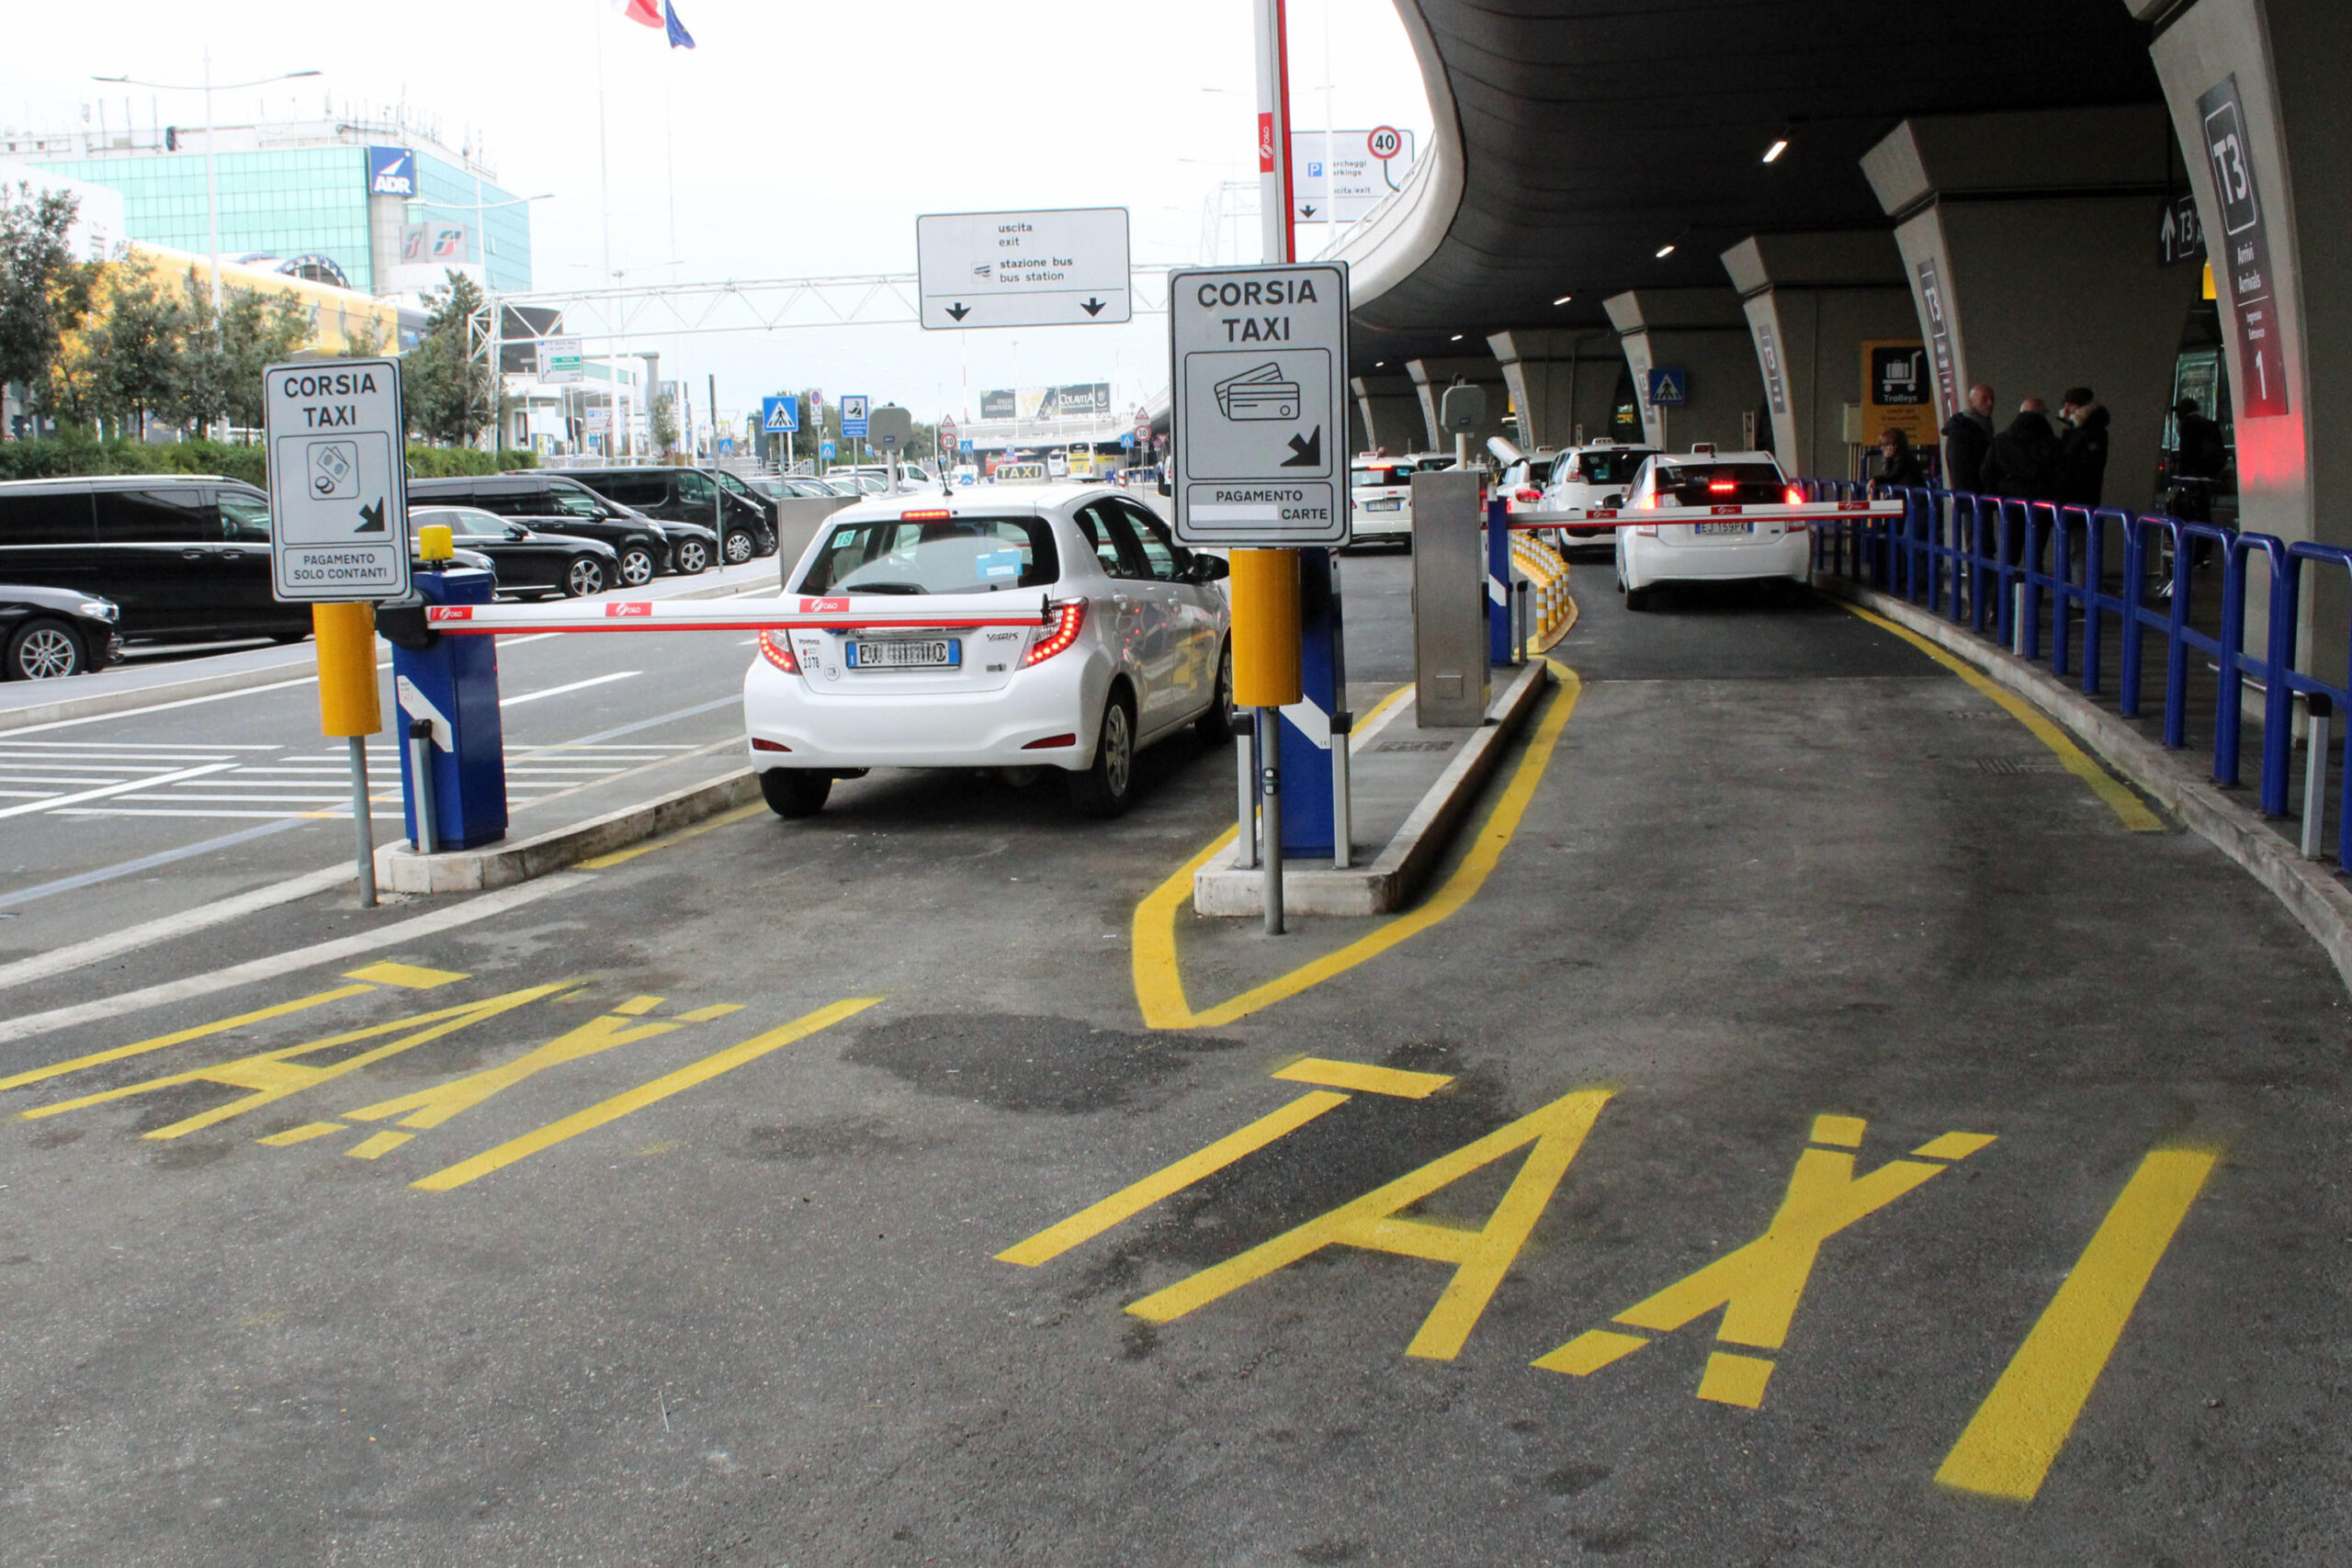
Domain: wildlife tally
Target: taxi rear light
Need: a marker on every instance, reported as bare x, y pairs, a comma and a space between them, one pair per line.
1795, 496
1052, 743
1070, 619
1722, 487
1526, 494
777, 651
758, 744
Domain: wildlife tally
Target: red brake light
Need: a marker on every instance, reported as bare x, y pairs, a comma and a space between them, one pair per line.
926, 514
1795, 496
1722, 487
1526, 494
1072, 619
760, 743
777, 651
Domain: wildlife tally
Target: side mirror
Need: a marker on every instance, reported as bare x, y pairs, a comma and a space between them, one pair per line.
1207, 568
516, 531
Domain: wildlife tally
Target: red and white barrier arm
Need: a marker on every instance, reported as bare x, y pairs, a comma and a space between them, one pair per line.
1617, 516
957, 614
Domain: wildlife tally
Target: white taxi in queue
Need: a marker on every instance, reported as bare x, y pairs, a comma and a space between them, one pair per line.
1071, 631
1684, 523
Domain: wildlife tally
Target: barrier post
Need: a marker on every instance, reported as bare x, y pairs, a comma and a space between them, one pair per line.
1343, 723
349, 706
1267, 677
2315, 771
1245, 757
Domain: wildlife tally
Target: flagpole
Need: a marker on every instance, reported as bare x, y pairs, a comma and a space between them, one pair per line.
604, 163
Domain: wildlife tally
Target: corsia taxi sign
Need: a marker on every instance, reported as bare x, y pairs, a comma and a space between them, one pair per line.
1260, 404
338, 500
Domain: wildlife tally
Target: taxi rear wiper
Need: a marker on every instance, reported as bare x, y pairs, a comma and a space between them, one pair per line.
886, 588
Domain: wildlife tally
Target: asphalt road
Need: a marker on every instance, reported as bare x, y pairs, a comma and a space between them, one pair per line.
1892, 1148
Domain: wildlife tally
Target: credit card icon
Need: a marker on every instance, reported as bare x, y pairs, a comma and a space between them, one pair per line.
1258, 394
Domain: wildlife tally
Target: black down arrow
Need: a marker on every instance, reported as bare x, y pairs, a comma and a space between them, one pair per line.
1092, 307
959, 310
1309, 452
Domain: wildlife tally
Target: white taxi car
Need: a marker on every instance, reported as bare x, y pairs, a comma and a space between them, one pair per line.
1380, 500
1595, 476
1683, 523
1059, 626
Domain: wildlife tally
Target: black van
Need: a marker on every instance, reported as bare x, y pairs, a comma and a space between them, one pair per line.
185, 557
712, 497
554, 503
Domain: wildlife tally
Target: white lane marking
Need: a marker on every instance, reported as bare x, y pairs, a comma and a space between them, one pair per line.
159, 749
574, 686
269, 968
114, 789
1364, 735
59, 779
165, 707
64, 960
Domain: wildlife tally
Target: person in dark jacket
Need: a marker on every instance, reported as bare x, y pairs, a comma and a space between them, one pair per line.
2023, 466
1968, 436
2198, 459
1898, 465
2082, 451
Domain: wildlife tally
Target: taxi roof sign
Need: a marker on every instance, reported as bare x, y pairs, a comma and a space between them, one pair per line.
338, 481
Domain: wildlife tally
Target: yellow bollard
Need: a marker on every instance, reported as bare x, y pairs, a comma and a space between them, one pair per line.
347, 690
1265, 628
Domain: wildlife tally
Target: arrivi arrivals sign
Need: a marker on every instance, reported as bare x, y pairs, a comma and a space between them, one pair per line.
2241, 254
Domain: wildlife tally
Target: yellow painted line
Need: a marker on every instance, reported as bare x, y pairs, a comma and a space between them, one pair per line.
2128, 807
2015, 1436
1159, 982
377, 1146
1128, 1201
408, 976
1360, 1075
303, 1134
603, 861
182, 1036
1363, 720
1845, 1132
1735, 1380
1590, 1351
638, 1098
637, 1007
716, 1009
1954, 1146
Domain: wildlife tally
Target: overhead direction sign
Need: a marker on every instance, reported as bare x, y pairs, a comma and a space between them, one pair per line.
780, 415
1355, 177
1260, 404
560, 361
338, 502
853, 406
1061, 268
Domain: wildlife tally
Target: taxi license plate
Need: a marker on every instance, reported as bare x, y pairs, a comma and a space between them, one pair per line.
1390, 505
1704, 528
924, 654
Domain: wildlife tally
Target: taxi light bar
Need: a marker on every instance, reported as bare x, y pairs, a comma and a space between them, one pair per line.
1073, 614
778, 652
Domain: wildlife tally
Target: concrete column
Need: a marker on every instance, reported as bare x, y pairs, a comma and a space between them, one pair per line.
2036, 236
1430, 379
1389, 414
1559, 379
1812, 301
2294, 120
1703, 332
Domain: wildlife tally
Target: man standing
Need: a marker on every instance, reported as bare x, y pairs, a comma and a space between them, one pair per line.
2082, 451
2198, 459
1968, 436
2023, 466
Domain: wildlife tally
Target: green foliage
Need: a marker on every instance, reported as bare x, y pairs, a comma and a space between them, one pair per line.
44, 292
664, 430
447, 389
218, 373
59, 459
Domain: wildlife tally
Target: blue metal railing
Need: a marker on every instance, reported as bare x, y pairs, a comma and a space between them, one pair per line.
1967, 556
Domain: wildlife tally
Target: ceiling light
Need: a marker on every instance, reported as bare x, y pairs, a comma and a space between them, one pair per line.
1779, 145
1564, 300
1455, 338
1666, 250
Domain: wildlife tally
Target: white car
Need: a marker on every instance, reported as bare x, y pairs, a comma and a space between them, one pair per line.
1380, 500
1594, 476
1684, 523
1061, 627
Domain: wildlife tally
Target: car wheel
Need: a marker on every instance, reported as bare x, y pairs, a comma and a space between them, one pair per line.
637, 566
1108, 784
584, 576
1215, 726
692, 556
795, 792
43, 650
1637, 598
739, 549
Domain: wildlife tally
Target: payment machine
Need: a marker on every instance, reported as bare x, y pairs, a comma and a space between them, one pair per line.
446, 690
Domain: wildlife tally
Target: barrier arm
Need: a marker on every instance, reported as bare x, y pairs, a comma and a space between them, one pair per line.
412, 626
1616, 516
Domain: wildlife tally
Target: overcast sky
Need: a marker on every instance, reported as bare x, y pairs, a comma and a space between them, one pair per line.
806, 138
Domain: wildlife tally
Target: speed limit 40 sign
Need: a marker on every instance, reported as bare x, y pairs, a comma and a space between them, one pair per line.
1385, 142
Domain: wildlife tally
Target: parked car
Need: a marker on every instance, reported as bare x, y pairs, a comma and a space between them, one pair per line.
742, 520
1132, 645
49, 632
554, 500
1716, 543
531, 563
1595, 475
1380, 501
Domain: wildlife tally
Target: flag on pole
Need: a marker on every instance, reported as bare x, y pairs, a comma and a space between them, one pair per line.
679, 37
646, 13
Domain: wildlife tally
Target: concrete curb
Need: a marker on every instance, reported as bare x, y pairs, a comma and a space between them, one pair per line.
1390, 883
121, 699
400, 869
2309, 889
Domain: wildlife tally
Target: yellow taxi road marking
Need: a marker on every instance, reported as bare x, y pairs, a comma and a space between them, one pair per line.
1360, 1076
1128, 1201
1735, 1380
272, 1076
182, 1036
602, 862
717, 1010
1759, 1284
409, 976
1159, 982
636, 1100
1845, 1132
2008, 1446
1954, 1146
303, 1134
637, 1006
378, 1145
1480, 1257
2128, 807
429, 1108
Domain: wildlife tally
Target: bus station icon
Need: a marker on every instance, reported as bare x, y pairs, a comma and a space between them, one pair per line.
335, 470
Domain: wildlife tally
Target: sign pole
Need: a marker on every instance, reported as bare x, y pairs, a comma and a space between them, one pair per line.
349, 706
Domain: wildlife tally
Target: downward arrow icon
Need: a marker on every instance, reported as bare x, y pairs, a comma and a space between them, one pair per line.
1092, 307
959, 310
1308, 452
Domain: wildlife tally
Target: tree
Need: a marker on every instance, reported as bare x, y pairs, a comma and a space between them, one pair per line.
663, 424
446, 388
136, 347
44, 292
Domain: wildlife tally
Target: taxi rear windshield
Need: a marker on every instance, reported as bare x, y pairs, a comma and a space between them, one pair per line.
1722, 484
1607, 467
953, 555
1377, 479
